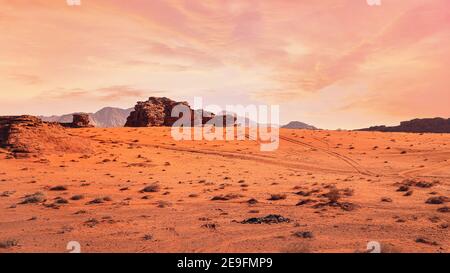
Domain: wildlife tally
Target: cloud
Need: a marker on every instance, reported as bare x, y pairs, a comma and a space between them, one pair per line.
104, 94
368, 61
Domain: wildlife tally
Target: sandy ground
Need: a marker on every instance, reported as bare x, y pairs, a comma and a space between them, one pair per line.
364, 170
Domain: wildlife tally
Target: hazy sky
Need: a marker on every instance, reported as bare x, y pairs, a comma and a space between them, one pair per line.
330, 63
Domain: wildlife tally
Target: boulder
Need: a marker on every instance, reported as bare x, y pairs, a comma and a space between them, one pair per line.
80, 120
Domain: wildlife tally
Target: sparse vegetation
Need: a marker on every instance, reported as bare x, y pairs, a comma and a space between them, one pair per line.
269, 219
77, 197
152, 188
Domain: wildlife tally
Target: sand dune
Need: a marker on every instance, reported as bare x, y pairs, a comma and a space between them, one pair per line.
141, 191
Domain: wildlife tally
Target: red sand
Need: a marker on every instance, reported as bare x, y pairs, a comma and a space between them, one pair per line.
180, 216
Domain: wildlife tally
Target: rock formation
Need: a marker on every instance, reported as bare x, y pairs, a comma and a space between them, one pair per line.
25, 136
107, 117
298, 125
79, 121
158, 112
428, 125
154, 112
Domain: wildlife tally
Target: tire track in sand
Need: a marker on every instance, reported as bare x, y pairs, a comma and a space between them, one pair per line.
240, 156
351, 162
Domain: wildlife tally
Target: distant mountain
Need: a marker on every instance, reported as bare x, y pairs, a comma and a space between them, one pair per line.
427, 125
106, 117
298, 125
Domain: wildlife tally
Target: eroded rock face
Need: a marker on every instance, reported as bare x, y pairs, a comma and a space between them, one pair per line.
158, 111
25, 136
9, 125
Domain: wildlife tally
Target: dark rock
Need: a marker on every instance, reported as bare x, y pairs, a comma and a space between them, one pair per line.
8, 243
269, 219
92, 222
108, 117
33, 198
96, 201
152, 188
158, 112
61, 201
298, 125
426, 241
226, 197
305, 201
26, 136
347, 206
77, 197
58, 188
80, 120
276, 197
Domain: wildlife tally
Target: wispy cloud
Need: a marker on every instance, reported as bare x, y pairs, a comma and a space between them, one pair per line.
104, 94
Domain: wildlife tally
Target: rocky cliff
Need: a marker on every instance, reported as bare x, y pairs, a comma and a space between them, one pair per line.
427, 125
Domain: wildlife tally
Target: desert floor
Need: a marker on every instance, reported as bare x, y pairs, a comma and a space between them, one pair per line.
379, 184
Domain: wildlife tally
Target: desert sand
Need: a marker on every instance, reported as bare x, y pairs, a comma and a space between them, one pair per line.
141, 191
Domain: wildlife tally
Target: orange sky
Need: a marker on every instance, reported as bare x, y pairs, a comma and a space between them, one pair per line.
331, 63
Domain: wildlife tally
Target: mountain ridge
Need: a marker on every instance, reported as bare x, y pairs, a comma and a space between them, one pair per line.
107, 117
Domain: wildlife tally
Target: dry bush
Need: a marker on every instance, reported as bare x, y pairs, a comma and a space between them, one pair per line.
152, 188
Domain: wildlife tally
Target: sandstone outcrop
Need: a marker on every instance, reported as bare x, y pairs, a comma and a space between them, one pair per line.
298, 125
25, 136
158, 112
428, 125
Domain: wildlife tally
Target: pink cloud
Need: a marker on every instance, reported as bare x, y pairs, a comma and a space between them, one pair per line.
288, 50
